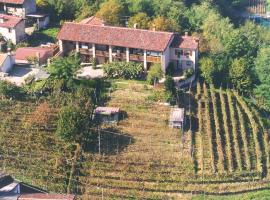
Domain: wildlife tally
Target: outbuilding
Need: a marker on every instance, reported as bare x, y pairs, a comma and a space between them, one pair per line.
107, 114
177, 118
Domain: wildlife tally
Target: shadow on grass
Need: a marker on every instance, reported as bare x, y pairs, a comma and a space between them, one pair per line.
112, 142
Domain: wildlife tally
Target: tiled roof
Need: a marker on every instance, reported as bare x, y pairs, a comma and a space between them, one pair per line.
115, 36
185, 42
12, 1
40, 196
24, 52
93, 21
9, 21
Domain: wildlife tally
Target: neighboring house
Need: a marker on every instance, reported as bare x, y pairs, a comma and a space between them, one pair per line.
107, 114
41, 20
11, 189
6, 63
20, 8
40, 55
108, 43
12, 28
177, 118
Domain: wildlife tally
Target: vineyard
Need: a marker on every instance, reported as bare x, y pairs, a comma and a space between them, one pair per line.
224, 151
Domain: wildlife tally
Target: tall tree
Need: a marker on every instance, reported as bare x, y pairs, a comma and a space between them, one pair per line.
110, 11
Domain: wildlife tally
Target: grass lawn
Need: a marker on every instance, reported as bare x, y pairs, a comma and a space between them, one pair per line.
43, 36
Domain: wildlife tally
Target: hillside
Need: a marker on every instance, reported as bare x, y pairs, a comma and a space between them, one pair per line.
227, 151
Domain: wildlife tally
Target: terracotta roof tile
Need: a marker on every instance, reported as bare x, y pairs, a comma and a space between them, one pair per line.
93, 21
25, 52
8, 21
185, 42
115, 36
12, 1
40, 196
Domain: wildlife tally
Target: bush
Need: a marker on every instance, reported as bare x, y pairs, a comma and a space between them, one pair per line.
94, 63
170, 69
170, 85
126, 70
189, 72
155, 74
9, 90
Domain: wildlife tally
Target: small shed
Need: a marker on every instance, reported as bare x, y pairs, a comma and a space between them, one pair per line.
107, 114
177, 118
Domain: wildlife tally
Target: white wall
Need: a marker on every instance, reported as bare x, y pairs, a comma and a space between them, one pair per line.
7, 64
165, 59
30, 6
183, 59
16, 34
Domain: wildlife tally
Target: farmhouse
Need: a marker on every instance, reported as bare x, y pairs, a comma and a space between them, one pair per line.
6, 63
19, 8
12, 28
93, 39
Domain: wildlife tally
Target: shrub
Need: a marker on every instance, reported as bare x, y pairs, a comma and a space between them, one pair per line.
170, 85
155, 73
94, 63
9, 90
189, 72
170, 69
124, 70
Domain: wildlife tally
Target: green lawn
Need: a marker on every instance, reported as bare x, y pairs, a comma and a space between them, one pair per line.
43, 36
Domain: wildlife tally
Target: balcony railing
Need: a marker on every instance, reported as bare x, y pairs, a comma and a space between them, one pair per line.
86, 51
153, 59
102, 53
121, 56
135, 57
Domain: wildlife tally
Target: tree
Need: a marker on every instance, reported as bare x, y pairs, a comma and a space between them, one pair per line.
208, 69
63, 71
111, 11
262, 69
163, 24
76, 119
141, 20
155, 74
170, 85
241, 75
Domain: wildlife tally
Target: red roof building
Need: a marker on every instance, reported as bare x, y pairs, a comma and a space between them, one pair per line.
12, 28
92, 38
42, 54
12, 1
40, 196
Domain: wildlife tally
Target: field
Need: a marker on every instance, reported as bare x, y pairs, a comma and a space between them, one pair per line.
224, 149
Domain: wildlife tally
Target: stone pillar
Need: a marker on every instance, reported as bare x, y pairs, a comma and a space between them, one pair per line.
145, 60
94, 50
77, 47
127, 54
61, 46
110, 54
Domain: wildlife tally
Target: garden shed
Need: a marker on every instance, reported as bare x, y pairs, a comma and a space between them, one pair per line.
177, 118
107, 114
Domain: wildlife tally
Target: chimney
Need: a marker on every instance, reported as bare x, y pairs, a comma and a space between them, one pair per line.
186, 34
154, 28
135, 25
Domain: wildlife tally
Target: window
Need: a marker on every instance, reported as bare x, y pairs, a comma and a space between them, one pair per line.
178, 53
189, 63
187, 53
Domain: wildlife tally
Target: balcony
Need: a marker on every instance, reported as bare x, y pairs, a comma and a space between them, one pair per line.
86, 52
153, 59
102, 53
136, 57
120, 56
